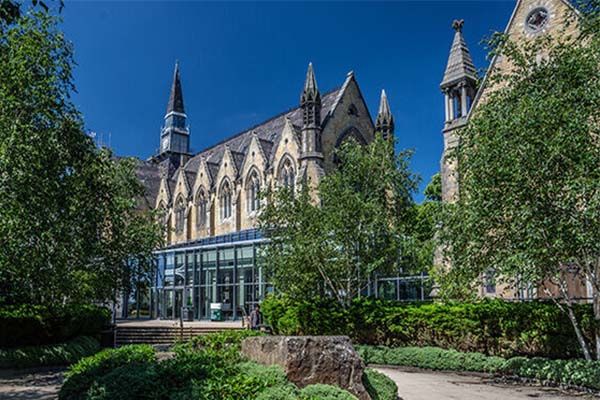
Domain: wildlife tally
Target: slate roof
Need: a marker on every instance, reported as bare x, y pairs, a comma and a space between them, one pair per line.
148, 173
460, 64
268, 133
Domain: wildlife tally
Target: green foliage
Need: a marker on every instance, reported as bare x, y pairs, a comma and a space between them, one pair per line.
204, 370
223, 340
433, 191
379, 386
357, 227
324, 392
70, 218
83, 375
492, 327
431, 358
35, 325
580, 373
286, 392
51, 354
529, 182
426, 218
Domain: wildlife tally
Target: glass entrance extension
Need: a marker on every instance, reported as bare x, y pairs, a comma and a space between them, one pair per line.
227, 270
194, 278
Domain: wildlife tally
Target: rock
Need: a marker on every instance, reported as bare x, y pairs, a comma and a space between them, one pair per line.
311, 359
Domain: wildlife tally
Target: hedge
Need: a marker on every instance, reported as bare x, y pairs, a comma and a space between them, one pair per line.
52, 354
37, 325
580, 373
379, 386
491, 327
431, 358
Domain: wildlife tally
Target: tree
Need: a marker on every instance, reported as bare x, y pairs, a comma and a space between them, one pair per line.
529, 176
357, 229
426, 220
69, 215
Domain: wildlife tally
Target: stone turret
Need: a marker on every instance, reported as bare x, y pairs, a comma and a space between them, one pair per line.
459, 86
311, 155
460, 78
384, 124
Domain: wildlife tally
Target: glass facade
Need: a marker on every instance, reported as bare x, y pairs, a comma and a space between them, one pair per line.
220, 270
227, 270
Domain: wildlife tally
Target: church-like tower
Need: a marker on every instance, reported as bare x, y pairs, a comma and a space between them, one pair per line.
459, 86
384, 124
311, 155
175, 134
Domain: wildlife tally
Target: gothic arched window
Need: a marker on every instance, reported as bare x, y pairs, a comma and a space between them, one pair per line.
179, 215
287, 175
201, 208
225, 200
252, 191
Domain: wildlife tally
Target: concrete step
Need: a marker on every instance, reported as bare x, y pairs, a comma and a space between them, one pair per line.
161, 335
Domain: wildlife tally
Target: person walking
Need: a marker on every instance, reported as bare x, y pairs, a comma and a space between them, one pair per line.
255, 318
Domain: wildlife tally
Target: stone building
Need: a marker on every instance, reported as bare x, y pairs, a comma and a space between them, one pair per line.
464, 92
210, 200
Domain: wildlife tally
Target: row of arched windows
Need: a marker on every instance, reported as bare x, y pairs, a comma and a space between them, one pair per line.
287, 179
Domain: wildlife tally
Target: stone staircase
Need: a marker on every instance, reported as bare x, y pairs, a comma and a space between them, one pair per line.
161, 335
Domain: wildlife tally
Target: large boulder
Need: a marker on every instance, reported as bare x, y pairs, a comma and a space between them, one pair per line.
311, 359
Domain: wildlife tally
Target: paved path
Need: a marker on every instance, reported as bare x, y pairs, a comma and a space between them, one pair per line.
415, 384
30, 384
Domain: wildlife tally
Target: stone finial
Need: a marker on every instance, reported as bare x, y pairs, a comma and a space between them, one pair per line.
458, 24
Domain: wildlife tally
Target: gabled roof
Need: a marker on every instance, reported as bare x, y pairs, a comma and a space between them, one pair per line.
509, 25
268, 133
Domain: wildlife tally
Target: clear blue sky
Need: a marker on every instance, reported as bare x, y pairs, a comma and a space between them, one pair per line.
241, 63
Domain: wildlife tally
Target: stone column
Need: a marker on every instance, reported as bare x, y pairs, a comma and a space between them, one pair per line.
447, 105
463, 100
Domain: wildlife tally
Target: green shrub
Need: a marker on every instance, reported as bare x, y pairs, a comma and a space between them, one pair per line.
50, 354
325, 392
264, 375
283, 392
431, 358
379, 386
82, 376
566, 372
561, 372
491, 327
35, 325
223, 340
132, 381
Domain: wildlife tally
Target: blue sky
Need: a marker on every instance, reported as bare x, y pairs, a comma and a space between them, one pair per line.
241, 63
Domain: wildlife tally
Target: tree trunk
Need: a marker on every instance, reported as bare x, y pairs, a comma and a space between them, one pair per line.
580, 337
596, 305
597, 323
571, 314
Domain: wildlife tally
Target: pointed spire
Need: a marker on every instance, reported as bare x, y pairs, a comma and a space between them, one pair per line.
460, 64
385, 120
310, 100
311, 91
175, 103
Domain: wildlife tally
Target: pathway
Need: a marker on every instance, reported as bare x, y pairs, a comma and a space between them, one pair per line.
30, 384
415, 384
